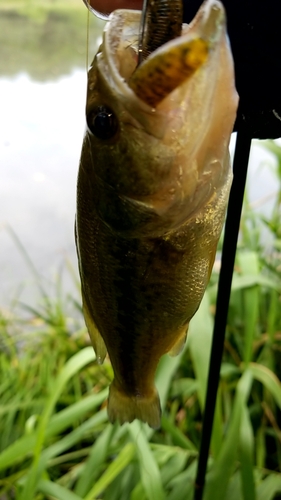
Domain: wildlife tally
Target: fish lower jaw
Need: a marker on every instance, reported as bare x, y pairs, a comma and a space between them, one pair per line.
124, 408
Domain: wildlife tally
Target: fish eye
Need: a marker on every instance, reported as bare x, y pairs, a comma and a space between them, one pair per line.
102, 122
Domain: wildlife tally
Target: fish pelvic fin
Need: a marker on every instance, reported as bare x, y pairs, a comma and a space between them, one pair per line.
96, 338
124, 408
180, 342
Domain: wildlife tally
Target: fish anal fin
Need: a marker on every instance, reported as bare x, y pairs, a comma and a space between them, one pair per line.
96, 338
180, 342
124, 408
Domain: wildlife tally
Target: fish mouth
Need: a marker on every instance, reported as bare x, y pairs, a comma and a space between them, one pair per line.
176, 61
173, 63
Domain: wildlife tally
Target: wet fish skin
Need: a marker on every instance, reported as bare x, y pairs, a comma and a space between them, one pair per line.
151, 202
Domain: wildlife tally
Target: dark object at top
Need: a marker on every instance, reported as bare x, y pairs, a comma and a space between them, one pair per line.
254, 28
161, 22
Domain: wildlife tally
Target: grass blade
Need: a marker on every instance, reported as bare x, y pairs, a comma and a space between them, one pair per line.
21, 448
234, 488
174, 466
248, 262
269, 487
149, 470
55, 490
96, 459
72, 366
179, 439
268, 379
24, 446
218, 478
246, 453
71, 439
182, 486
60, 421
165, 372
200, 334
113, 470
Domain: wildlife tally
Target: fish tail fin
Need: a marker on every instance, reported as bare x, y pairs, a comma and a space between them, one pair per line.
124, 408
96, 338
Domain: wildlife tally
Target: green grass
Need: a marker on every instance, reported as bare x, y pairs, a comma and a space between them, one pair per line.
55, 439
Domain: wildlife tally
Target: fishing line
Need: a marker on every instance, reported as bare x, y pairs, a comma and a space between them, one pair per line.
141, 32
88, 35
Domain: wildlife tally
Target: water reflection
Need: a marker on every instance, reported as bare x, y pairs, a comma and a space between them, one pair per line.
41, 132
45, 39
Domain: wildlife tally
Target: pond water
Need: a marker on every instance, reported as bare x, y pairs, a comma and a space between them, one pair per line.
41, 131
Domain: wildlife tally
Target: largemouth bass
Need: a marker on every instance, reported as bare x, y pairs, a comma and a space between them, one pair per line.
153, 186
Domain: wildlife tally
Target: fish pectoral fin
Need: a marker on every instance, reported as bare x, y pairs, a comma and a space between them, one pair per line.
180, 342
96, 338
124, 408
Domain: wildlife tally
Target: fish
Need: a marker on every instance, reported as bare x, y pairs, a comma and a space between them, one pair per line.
153, 185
